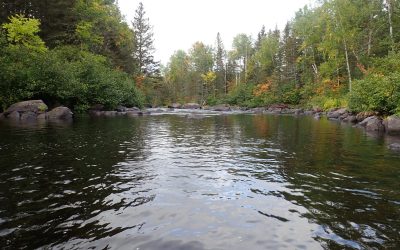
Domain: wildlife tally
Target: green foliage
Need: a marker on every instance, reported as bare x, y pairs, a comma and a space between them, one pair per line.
65, 75
376, 93
22, 31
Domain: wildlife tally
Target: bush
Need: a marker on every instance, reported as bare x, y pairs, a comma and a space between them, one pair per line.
376, 92
65, 75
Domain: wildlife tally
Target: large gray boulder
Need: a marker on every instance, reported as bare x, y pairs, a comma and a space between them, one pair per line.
35, 106
14, 115
373, 123
28, 116
393, 125
59, 113
191, 105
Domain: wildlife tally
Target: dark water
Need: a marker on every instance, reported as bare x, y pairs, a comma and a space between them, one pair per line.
220, 182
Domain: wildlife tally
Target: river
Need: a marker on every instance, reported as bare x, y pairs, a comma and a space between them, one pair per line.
197, 182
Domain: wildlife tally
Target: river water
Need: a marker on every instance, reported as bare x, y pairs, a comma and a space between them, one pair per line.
197, 182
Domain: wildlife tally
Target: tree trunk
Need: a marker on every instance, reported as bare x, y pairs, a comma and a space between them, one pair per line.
347, 63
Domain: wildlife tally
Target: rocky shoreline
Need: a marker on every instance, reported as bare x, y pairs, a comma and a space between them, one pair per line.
34, 110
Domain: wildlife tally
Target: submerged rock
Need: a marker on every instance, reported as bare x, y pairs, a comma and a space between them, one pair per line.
59, 113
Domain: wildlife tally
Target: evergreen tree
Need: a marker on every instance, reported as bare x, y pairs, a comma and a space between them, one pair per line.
144, 47
220, 66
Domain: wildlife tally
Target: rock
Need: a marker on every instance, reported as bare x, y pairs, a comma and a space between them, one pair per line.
350, 119
133, 113
97, 107
1, 116
394, 146
121, 113
317, 116
109, 113
35, 106
372, 123
363, 115
393, 125
41, 116
222, 107
298, 111
132, 109
120, 108
28, 116
336, 114
59, 113
309, 112
191, 105
13, 115
175, 106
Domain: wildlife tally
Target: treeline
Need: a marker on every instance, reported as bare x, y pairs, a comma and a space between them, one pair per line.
75, 53
339, 53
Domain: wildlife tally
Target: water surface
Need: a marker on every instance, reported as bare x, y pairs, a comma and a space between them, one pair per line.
197, 182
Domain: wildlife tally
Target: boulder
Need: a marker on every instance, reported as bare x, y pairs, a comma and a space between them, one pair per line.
59, 113
222, 107
41, 116
35, 106
393, 125
132, 109
28, 116
1, 116
350, 119
372, 123
191, 105
336, 114
363, 115
120, 109
394, 146
13, 115
309, 112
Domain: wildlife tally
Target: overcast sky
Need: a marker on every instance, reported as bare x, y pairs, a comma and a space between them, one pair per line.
177, 24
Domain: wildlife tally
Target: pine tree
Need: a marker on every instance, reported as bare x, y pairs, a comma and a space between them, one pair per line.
220, 66
144, 47
260, 36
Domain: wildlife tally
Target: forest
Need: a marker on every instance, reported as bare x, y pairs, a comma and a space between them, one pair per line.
338, 53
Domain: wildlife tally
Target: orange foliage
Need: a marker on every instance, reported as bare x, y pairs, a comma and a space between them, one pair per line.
139, 81
262, 88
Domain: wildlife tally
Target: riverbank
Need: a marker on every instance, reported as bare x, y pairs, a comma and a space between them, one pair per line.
34, 110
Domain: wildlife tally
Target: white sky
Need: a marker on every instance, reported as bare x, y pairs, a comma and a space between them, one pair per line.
177, 24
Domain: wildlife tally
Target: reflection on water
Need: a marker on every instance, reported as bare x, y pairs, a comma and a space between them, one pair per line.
175, 182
